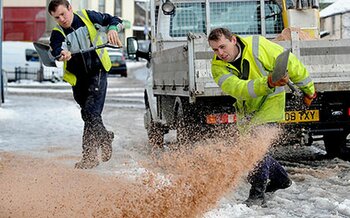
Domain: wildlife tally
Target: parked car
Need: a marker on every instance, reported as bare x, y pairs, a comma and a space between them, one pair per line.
118, 63
20, 60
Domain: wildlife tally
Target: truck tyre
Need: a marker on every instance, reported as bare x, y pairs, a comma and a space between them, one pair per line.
154, 132
334, 143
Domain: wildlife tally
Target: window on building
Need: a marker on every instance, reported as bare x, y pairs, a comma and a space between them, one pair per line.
102, 5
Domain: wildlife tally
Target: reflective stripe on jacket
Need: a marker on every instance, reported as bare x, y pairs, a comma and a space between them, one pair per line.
256, 103
84, 42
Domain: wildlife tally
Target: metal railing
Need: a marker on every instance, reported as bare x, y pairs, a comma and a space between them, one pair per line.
27, 73
3, 86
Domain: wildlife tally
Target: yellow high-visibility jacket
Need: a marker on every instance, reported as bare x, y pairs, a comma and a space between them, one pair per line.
256, 103
96, 40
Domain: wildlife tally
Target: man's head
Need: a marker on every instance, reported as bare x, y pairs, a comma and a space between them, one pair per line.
62, 12
223, 43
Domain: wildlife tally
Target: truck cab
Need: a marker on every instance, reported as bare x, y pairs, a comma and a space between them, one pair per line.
244, 17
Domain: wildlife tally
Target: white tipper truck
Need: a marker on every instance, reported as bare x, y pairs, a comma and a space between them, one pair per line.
181, 94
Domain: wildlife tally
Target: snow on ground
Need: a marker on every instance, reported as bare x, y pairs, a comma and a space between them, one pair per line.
35, 125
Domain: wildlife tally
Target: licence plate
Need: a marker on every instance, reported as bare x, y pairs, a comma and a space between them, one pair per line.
302, 116
115, 65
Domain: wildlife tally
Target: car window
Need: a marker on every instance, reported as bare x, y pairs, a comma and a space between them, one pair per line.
32, 55
241, 17
189, 17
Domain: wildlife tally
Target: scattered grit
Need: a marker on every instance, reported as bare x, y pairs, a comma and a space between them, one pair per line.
183, 183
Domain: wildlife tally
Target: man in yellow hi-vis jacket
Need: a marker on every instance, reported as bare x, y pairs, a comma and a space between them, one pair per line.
86, 72
241, 67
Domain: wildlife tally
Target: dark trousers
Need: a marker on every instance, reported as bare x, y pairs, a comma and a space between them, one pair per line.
268, 169
90, 94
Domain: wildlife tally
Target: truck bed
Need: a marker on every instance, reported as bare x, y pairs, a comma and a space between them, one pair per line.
186, 70
326, 60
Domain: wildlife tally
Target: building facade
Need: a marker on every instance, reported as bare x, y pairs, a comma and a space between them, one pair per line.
25, 23
30, 20
335, 20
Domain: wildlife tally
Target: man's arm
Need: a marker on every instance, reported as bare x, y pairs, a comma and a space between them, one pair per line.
113, 23
297, 72
239, 88
104, 19
56, 40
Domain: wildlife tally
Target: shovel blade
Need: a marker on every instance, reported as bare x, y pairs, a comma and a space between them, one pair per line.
45, 54
280, 69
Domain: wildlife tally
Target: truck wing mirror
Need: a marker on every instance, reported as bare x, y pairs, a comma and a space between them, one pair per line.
132, 46
133, 50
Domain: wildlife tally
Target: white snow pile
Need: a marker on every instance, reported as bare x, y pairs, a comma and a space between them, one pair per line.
338, 7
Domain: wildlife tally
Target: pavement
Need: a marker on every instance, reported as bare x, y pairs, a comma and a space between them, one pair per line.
30, 122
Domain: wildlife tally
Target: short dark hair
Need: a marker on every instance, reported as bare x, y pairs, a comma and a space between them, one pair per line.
216, 33
55, 3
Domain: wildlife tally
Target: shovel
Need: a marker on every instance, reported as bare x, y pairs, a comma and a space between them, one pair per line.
45, 54
280, 70
49, 60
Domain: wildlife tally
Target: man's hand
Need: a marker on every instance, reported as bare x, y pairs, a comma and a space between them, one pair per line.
113, 38
282, 82
309, 98
65, 55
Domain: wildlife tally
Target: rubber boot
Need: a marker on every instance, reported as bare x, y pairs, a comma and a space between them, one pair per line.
106, 147
256, 196
90, 158
274, 186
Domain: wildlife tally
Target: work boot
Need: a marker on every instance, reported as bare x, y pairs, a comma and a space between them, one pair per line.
256, 197
89, 159
106, 147
273, 186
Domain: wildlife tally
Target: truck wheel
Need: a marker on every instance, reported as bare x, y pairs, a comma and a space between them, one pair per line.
154, 132
334, 142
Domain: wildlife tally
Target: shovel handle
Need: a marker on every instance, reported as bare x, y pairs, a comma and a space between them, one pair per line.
293, 88
106, 45
82, 51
